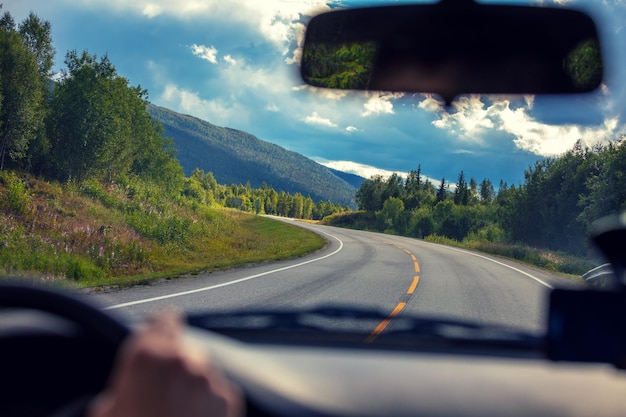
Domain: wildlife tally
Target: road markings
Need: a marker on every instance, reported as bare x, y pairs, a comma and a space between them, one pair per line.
225, 284
383, 324
413, 286
502, 264
400, 306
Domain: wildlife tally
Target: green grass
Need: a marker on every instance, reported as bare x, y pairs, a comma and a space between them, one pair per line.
568, 265
106, 234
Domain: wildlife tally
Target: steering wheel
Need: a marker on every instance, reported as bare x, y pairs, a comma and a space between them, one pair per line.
45, 369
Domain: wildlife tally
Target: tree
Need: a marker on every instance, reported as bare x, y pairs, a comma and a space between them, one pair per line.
307, 208
393, 187
37, 35
369, 195
473, 190
462, 192
606, 183
392, 209
7, 22
413, 189
81, 114
486, 191
101, 127
442, 191
22, 106
546, 210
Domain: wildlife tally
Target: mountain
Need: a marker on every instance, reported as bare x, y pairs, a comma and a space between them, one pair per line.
352, 179
236, 157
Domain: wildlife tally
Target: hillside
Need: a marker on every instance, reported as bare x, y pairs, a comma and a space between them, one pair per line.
234, 156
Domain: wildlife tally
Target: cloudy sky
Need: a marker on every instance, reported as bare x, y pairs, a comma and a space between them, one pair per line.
234, 63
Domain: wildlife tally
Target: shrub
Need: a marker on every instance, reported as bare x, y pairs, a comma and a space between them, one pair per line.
16, 198
78, 269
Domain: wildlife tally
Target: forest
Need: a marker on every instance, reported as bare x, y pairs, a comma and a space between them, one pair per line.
90, 124
552, 209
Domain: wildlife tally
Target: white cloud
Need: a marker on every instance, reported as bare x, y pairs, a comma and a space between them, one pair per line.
152, 10
530, 101
219, 112
380, 103
551, 140
351, 129
430, 103
208, 53
272, 107
299, 30
278, 21
325, 93
230, 60
365, 171
316, 119
473, 120
470, 119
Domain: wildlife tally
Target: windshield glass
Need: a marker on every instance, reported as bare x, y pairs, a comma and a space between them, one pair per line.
471, 211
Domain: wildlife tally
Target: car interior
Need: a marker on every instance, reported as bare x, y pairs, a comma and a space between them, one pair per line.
58, 346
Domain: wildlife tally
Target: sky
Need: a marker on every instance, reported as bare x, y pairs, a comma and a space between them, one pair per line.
234, 63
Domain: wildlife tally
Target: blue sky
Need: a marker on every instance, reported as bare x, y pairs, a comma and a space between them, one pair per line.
233, 63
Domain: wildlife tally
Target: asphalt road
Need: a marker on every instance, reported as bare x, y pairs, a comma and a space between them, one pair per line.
396, 275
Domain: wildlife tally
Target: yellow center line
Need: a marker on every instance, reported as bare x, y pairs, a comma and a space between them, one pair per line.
417, 267
407, 251
413, 286
413, 258
383, 324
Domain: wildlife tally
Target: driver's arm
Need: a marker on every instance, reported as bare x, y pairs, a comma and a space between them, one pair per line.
157, 375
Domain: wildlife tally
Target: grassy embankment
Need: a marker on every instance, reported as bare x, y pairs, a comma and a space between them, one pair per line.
560, 262
121, 234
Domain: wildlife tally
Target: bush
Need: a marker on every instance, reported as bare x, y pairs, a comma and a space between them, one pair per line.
491, 233
78, 269
16, 198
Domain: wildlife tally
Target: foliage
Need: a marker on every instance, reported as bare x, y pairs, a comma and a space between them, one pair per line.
100, 127
552, 209
202, 188
235, 157
15, 198
332, 65
21, 97
37, 36
104, 234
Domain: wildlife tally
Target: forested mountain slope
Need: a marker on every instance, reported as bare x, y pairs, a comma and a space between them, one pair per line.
237, 157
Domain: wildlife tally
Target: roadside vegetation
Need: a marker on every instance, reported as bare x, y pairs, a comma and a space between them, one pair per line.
102, 234
542, 221
91, 192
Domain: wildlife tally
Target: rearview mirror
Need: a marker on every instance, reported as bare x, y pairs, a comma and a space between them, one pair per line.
452, 48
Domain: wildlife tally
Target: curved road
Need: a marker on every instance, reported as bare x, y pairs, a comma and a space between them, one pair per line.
394, 274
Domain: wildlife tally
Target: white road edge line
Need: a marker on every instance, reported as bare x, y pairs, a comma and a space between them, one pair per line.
225, 284
503, 264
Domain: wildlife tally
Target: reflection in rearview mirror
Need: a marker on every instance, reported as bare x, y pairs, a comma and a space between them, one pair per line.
453, 48
339, 65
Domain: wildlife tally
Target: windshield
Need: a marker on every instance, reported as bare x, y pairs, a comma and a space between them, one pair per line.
149, 147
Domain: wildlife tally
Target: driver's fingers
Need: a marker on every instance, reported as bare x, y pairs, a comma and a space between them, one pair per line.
168, 325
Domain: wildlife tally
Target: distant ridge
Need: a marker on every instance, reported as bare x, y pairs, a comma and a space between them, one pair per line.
236, 157
352, 179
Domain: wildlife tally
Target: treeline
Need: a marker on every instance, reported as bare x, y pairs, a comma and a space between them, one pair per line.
553, 208
204, 189
90, 124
